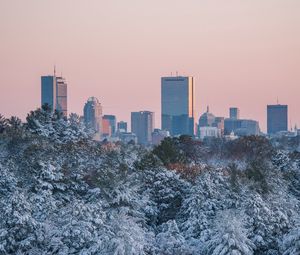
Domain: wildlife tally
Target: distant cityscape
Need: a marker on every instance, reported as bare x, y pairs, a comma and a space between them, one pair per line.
177, 115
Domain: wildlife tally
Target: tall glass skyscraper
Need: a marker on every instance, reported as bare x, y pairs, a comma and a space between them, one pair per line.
142, 124
93, 114
54, 93
234, 113
177, 105
277, 118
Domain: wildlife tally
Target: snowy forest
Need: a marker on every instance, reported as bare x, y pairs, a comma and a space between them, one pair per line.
61, 192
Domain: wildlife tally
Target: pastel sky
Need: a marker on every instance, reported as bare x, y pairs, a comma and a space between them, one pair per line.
242, 53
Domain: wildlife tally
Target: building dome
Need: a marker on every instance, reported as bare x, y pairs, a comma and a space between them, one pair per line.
93, 100
206, 119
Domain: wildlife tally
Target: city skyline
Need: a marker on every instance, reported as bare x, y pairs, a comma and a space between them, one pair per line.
241, 54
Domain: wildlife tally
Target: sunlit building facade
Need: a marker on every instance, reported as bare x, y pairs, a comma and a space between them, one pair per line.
112, 122
177, 105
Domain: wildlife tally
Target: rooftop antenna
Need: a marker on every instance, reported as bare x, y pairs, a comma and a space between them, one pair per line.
277, 100
207, 109
177, 73
54, 70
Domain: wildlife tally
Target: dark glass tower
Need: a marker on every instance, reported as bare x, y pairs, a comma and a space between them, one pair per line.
177, 105
277, 118
54, 93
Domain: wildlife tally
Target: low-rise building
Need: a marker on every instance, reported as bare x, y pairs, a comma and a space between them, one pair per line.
158, 135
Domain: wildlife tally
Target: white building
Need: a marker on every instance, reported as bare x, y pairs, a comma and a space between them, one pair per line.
205, 132
158, 135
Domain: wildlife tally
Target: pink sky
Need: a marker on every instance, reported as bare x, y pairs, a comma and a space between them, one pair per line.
242, 53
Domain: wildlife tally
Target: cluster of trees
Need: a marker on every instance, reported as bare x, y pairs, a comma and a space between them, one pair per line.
63, 193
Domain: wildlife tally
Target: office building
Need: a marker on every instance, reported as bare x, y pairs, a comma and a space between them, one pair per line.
122, 126
106, 128
112, 122
142, 124
219, 123
92, 113
240, 127
158, 135
177, 105
277, 118
127, 137
54, 93
234, 113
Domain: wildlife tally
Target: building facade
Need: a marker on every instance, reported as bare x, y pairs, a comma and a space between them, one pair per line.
207, 119
240, 127
234, 113
122, 126
142, 124
206, 132
277, 118
177, 105
54, 93
158, 135
92, 113
112, 122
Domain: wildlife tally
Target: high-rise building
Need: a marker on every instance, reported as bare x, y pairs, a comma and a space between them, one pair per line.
277, 118
234, 113
93, 114
112, 122
142, 124
54, 93
122, 126
240, 127
106, 128
177, 105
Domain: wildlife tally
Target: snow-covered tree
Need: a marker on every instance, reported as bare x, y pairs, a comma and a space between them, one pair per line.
229, 236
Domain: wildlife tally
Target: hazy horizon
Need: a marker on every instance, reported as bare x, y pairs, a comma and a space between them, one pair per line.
241, 53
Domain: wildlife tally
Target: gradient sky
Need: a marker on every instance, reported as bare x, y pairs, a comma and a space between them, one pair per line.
242, 53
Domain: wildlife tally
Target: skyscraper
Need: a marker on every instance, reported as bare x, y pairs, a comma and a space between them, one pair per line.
234, 113
277, 118
122, 126
142, 124
177, 105
54, 93
112, 122
93, 114
61, 96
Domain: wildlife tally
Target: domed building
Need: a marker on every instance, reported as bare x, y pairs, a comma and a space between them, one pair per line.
210, 126
207, 119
